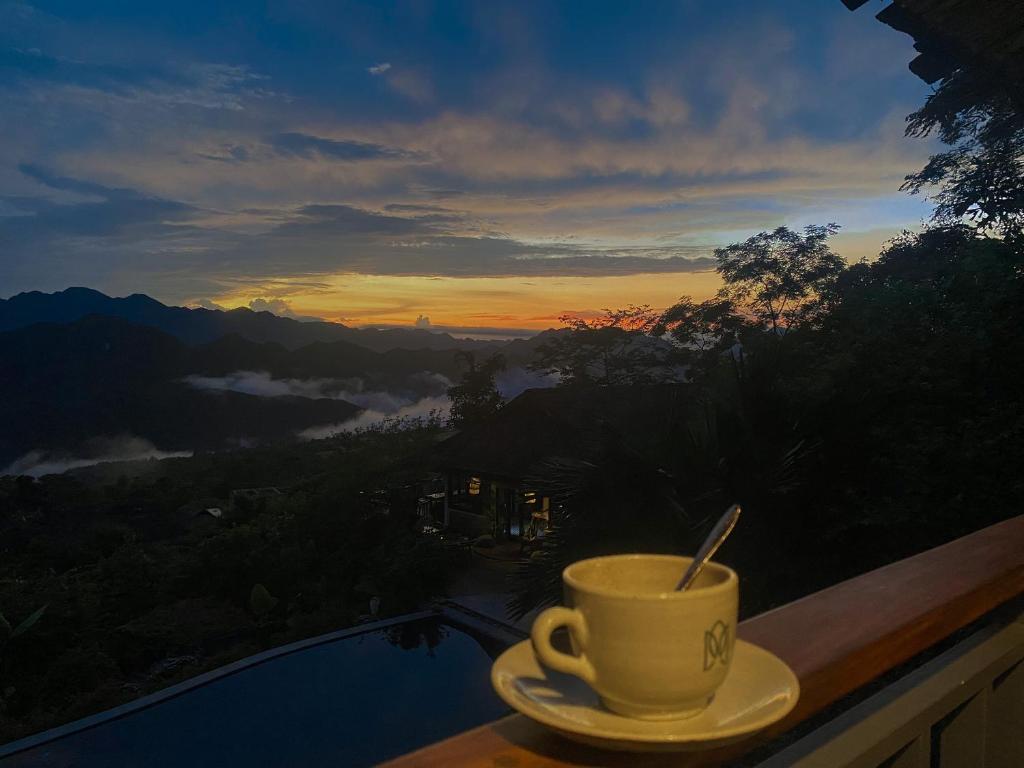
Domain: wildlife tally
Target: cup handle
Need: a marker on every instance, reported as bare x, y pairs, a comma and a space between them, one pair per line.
546, 623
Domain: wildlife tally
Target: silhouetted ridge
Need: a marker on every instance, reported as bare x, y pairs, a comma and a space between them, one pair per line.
103, 376
201, 326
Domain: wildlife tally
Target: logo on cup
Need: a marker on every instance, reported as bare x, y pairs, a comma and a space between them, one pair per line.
716, 645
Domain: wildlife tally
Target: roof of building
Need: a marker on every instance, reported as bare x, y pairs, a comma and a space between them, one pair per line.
951, 33
560, 421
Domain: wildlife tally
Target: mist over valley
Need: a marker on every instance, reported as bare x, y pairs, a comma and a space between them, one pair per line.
147, 381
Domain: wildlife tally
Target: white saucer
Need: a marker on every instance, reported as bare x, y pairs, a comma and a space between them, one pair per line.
759, 691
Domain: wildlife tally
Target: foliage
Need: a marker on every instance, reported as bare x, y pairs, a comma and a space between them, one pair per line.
703, 331
709, 326
780, 278
261, 602
476, 396
887, 418
613, 349
926, 354
980, 179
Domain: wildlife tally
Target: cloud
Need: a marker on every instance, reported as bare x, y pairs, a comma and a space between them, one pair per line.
416, 208
208, 304
182, 169
228, 154
278, 307
424, 408
352, 390
49, 179
119, 233
423, 394
262, 384
349, 220
114, 230
281, 308
207, 85
415, 86
512, 382
307, 147
115, 212
340, 238
38, 462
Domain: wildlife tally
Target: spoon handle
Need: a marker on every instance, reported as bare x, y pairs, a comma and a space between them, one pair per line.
711, 544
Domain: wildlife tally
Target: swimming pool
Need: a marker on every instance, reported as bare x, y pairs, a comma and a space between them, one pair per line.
351, 698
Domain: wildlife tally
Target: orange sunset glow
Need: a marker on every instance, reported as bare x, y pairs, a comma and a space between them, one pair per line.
477, 302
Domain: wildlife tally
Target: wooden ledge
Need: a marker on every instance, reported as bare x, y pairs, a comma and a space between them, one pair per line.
836, 640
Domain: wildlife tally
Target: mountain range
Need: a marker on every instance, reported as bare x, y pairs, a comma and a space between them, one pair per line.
62, 386
78, 365
200, 326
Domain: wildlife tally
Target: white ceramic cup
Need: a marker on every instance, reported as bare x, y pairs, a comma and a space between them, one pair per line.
648, 651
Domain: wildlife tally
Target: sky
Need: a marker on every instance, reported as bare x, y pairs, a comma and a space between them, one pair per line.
459, 165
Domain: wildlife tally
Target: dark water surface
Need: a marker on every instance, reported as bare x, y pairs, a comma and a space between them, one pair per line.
349, 702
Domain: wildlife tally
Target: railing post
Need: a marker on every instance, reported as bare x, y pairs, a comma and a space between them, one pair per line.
958, 739
1004, 737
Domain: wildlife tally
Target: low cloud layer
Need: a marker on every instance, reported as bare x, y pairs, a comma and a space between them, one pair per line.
262, 384
424, 408
37, 463
512, 382
422, 394
353, 390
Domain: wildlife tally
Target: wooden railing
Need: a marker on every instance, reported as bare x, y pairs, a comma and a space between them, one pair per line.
962, 709
836, 641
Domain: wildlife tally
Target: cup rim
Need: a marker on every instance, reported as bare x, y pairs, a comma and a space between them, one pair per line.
730, 583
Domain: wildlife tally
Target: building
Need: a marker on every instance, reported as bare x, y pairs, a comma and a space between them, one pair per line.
491, 469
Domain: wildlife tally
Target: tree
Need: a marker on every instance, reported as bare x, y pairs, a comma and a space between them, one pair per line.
781, 278
703, 330
923, 357
981, 178
613, 349
476, 396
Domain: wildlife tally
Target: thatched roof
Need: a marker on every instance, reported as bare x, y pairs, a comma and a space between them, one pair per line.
988, 35
562, 422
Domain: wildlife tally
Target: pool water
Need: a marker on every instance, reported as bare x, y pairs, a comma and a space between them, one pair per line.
352, 701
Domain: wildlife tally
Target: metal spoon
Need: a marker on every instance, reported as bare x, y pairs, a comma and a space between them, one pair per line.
711, 544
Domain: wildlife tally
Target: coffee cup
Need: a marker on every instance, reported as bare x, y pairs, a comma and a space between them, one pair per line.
648, 651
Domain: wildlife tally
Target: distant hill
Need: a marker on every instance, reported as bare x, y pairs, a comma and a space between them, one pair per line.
102, 376
77, 367
201, 326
